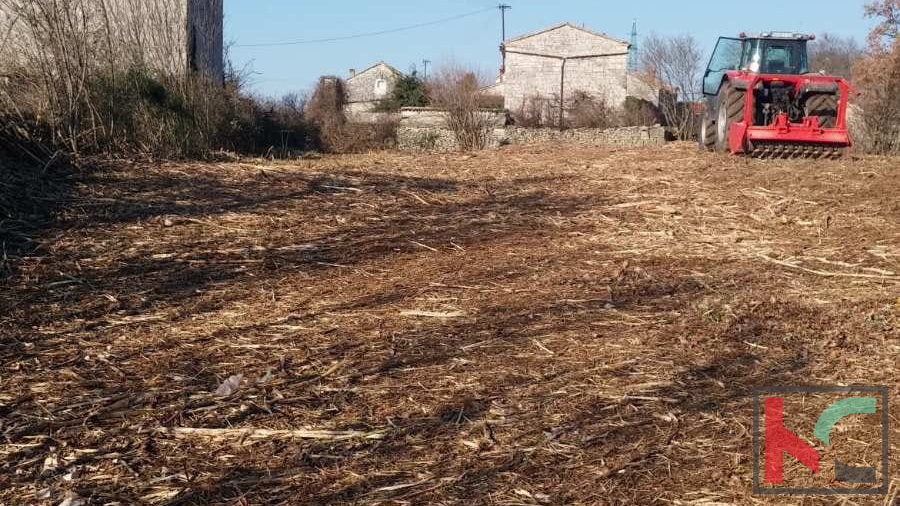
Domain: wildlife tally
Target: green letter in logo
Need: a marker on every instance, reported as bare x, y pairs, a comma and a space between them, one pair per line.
827, 420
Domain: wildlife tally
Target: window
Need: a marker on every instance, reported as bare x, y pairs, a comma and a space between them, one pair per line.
785, 57
380, 88
727, 56
192, 51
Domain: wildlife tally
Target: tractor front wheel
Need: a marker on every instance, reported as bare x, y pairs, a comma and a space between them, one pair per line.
706, 138
730, 110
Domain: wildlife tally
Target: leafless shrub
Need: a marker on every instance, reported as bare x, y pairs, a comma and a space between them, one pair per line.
537, 111
365, 137
488, 101
675, 63
457, 92
638, 112
325, 111
105, 76
333, 133
112, 76
590, 111
585, 110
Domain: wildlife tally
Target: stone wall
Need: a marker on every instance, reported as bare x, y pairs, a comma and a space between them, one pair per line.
431, 117
442, 140
370, 117
624, 136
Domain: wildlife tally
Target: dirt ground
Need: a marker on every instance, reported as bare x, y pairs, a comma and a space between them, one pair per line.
532, 325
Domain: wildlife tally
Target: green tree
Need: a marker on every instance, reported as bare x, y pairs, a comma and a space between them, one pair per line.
409, 91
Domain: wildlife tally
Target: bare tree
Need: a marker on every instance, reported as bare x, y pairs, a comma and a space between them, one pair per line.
877, 76
675, 64
834, 55
456, 90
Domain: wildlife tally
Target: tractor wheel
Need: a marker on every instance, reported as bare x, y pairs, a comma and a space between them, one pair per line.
730, 110
825, 106
706, 138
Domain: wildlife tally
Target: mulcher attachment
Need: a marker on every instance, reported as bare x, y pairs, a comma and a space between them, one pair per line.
775, 149
812, 123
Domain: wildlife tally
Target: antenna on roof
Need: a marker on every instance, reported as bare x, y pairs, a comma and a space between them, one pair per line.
633, 62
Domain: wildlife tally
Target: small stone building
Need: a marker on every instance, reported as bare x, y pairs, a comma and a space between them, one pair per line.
169, 36
366, 88
543, 67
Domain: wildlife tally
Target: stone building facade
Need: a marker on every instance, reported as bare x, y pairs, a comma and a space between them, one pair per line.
169, 36
543, 67
366, 88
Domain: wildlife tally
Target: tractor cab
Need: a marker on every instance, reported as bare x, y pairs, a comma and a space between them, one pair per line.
765, 53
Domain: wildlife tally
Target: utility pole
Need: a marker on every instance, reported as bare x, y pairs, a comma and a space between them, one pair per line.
425, 72
503, 8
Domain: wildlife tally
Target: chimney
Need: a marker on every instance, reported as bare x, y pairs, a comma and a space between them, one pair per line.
352, 73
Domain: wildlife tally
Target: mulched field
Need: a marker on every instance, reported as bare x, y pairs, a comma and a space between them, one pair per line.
533, 325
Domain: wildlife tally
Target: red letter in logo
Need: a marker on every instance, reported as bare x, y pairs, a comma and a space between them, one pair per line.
778, 438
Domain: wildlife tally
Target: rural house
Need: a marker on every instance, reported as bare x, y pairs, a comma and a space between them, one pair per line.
557, 62
171, 36
366, 88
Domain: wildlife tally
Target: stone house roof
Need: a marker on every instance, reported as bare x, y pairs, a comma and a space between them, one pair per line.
378, 65
564, 25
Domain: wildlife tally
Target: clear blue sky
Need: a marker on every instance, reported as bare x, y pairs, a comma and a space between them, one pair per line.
474, 40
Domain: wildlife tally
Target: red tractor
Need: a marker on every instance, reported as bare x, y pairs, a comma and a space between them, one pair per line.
761, 100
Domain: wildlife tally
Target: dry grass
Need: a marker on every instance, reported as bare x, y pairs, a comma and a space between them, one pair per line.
535, 325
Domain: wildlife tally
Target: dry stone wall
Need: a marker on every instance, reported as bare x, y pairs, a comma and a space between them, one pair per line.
425, 130
624, 136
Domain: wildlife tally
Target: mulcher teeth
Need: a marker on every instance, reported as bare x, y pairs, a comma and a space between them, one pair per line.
768, 150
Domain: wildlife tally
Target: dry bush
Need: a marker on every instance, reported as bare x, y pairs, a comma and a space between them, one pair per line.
325, 112
877, 76
101, 78
488, 101
589, 111
675, 62
638, 112
330, 129
275, 128
365, 137
537, 111
112, 77
457, 92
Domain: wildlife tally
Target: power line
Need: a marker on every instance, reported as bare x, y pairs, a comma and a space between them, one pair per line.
369, 34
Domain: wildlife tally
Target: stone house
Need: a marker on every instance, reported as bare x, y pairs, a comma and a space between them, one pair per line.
366, 88
168, 36
543, 68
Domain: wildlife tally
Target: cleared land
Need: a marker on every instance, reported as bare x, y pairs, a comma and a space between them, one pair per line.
535, 325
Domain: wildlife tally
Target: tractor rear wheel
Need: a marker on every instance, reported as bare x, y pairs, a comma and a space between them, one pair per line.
706, 138
825, 106
730, 111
